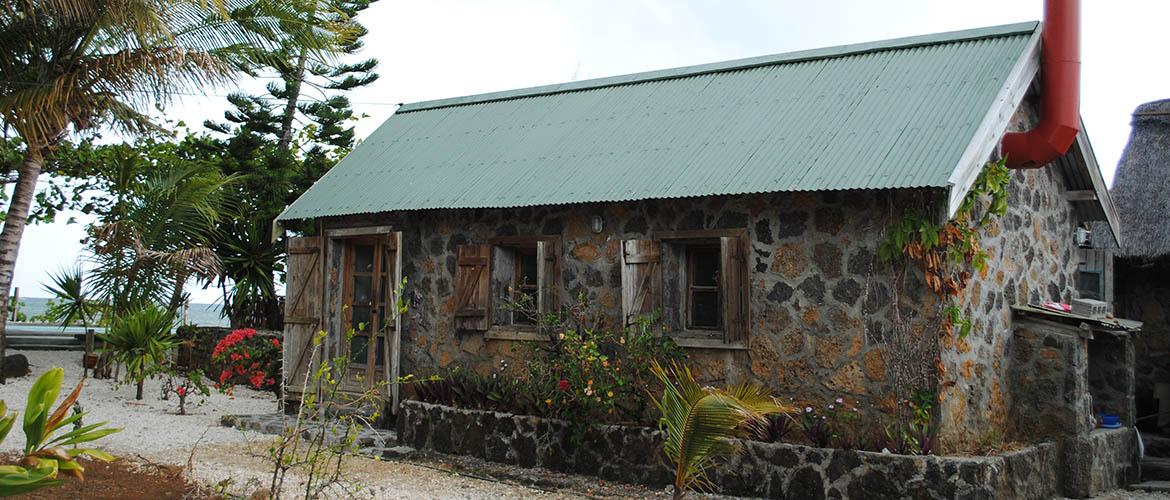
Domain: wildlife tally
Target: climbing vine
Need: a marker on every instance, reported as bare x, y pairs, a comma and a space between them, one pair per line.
947, 253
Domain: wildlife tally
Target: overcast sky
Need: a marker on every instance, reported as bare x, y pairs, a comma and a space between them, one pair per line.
444, 48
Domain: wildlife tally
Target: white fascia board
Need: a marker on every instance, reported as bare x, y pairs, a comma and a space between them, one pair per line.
994, 125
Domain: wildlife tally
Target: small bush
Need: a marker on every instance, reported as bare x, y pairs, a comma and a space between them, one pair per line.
244, 357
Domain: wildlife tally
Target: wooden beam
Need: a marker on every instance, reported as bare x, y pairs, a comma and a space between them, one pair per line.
1082, 195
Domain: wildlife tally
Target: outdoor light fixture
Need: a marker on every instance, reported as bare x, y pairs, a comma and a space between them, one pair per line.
596, 224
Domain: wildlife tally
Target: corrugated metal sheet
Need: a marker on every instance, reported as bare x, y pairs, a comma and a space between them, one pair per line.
872, 116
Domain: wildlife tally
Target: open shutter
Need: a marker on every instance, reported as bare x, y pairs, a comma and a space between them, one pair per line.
472, 279
548, 270
302, 308
641, 280
733, 279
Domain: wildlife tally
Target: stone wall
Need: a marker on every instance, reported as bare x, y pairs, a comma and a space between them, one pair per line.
1032, 258
1049, 365
1101, 461
1142, 292
778, 470
1111, 375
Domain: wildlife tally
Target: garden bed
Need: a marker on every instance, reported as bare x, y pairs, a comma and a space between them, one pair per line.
775, 470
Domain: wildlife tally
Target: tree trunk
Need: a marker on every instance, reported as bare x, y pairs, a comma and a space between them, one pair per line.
138, 395
293, 88
14, 223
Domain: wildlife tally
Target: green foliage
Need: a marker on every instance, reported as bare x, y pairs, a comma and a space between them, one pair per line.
71, 303
49, 448
699, 421
140, 341
944, 251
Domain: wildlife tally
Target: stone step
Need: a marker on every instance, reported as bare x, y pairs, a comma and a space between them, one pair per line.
1152, 486
1157, 445
1155, 469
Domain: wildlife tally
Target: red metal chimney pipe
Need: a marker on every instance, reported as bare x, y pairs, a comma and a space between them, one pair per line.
1060, 90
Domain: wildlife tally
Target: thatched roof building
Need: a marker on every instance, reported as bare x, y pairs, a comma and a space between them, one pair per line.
1141, 186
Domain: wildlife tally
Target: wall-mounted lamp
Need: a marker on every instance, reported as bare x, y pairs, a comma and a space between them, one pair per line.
596, 224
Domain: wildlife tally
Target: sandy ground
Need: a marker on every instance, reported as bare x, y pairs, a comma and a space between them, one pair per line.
154, 432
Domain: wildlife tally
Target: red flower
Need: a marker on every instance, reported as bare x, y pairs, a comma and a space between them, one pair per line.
276, 343
563, 385
181, 391
271, 381
257, 380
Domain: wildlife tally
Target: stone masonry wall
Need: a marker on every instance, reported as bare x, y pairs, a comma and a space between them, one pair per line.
778, 470
1143, 294
812, 255
1032, 258
1049, 365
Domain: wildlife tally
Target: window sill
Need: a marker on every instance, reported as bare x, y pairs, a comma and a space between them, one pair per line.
515, 333
695, 343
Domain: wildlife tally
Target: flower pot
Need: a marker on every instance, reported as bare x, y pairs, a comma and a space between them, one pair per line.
1110, 421
89, 361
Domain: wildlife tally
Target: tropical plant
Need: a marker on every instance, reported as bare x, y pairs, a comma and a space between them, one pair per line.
71, 303
699, 422
140, 342
244, 356
73, 66
49, 448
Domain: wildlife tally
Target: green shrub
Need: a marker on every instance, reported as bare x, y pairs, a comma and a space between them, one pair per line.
140, 342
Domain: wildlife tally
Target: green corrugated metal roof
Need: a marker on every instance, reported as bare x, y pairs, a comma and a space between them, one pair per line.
881, 115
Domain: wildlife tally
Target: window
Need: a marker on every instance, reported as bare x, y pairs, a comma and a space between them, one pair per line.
503, 287
365, 295
694, 283
703, 311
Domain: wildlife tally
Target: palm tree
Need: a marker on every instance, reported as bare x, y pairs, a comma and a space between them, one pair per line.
159, 230
140, 342
76, 65
700, 420
75, 306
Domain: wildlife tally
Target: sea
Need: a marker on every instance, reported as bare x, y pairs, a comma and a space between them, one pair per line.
199, 314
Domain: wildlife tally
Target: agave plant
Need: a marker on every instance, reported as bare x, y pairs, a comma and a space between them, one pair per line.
47, 450
699, 422
140, 341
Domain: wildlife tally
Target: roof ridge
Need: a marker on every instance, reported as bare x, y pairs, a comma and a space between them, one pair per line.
731, 65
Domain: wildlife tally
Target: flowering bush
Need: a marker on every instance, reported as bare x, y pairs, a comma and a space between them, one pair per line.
242, 356
185, 384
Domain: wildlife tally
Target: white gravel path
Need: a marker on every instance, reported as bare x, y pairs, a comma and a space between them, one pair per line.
153, 431
148, 426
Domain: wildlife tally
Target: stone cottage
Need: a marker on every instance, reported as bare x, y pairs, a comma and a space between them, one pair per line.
740, 202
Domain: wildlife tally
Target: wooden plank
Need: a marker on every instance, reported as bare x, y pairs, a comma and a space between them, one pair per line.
349, 232
734, 283
641, 280
700, 234
472, 287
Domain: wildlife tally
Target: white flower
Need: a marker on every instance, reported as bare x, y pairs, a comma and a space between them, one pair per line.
840, 401
830, 407
808, 409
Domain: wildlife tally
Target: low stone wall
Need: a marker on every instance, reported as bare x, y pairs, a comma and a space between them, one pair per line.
774, 470
1103, 460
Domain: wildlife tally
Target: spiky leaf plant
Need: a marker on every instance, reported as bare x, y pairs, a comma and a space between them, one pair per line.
699, 422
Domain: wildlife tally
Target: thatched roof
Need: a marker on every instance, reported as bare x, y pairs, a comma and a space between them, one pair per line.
1141, 186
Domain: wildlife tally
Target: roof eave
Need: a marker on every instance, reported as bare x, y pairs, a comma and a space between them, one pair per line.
995, 124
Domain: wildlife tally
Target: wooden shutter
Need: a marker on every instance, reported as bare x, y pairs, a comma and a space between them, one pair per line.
302, 308
641, 279
548, 270
395, 335
733, 279
472, 295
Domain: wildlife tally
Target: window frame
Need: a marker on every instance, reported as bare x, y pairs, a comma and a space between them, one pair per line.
528, 244
702, 338
690, 287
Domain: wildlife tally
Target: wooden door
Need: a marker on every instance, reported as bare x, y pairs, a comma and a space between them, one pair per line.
367, 303
302, 311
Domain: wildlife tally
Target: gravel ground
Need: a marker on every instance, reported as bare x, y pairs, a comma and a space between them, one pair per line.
153, 432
